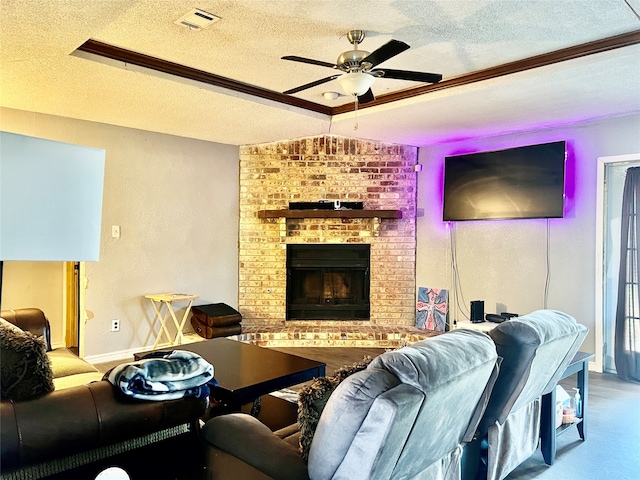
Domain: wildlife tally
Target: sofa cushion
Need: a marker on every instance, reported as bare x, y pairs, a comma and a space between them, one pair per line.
65, 363
375, 449
536, 349
78, 379
343, 417
428, 364
313, 397
453, 371
25, 368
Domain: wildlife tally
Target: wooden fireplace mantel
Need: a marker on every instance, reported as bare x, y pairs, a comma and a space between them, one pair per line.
285, 213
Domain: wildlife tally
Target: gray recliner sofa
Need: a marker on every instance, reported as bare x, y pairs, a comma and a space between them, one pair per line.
406, 416
535, 350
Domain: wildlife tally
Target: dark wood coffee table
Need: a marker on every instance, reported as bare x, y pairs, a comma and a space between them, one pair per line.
245, 372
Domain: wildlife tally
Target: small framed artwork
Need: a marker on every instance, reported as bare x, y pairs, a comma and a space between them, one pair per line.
432, 309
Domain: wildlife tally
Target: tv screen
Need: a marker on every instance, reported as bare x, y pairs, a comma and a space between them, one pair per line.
522, 182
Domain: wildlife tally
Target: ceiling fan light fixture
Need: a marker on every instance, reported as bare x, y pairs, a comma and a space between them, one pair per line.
330, 95
356, 83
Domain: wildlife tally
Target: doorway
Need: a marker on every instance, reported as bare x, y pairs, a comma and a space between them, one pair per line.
76, 315
53, 287
72, 309
611, 177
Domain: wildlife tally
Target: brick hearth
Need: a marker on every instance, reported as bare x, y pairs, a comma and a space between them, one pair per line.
331, 336
327, 168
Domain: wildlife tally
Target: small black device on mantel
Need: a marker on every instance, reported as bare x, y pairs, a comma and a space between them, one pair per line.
477, 311
325, 205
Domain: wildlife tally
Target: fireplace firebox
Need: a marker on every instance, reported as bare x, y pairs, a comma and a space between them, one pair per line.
328, 282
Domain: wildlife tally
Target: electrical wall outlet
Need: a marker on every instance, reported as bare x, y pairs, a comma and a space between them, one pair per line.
115, 325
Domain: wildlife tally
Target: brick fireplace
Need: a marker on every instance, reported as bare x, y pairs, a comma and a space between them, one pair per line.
329, 168
328, 281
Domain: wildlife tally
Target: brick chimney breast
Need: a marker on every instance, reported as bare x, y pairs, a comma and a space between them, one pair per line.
330, 168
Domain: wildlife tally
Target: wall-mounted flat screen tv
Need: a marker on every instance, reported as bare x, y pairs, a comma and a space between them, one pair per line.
517, 183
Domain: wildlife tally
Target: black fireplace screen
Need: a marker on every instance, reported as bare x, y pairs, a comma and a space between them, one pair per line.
328, 282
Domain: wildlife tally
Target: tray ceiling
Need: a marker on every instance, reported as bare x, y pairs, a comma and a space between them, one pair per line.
41, 69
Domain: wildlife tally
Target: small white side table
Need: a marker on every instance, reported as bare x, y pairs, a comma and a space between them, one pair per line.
159, 299
482, 326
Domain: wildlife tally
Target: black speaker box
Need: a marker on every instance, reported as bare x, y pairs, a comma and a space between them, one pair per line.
477, 311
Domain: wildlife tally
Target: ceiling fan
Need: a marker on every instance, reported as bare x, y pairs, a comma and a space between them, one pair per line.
358, 67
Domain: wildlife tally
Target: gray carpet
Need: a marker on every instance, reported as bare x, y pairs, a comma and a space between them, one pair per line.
612, 447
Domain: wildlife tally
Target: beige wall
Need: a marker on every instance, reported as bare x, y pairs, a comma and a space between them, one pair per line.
176, 201
39, 285
504, 262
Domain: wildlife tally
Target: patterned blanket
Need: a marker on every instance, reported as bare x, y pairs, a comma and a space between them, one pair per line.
164, 376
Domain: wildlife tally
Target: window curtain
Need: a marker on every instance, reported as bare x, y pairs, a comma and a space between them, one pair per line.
627, 326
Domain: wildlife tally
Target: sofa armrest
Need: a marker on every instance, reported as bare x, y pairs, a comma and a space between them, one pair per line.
83, 418
32, 320
247, 439
220, 465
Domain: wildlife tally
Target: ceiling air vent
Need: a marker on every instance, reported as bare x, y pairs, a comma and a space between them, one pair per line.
197, 19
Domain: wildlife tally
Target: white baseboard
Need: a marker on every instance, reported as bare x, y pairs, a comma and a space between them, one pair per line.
127, 355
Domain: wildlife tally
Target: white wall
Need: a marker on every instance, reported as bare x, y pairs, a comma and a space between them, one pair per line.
504, 262
176, 201
37, 285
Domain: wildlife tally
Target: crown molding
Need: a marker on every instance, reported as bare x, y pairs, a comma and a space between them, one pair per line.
570, 53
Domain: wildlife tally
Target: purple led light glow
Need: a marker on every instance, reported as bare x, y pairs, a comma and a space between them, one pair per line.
434, 184
570, 182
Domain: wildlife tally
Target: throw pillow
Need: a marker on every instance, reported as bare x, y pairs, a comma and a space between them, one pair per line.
25, 370
313, 397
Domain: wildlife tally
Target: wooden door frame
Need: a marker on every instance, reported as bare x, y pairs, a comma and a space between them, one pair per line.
76, 314
71, 304
600, 253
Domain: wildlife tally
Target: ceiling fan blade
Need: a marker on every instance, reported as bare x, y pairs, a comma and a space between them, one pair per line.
367, 97
409, 75
312, 84
310, 61
385, 52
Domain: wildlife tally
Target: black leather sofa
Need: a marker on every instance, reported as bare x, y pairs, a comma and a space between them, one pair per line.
67, 428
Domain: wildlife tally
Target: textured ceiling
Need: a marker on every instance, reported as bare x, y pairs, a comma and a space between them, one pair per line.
39, 71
